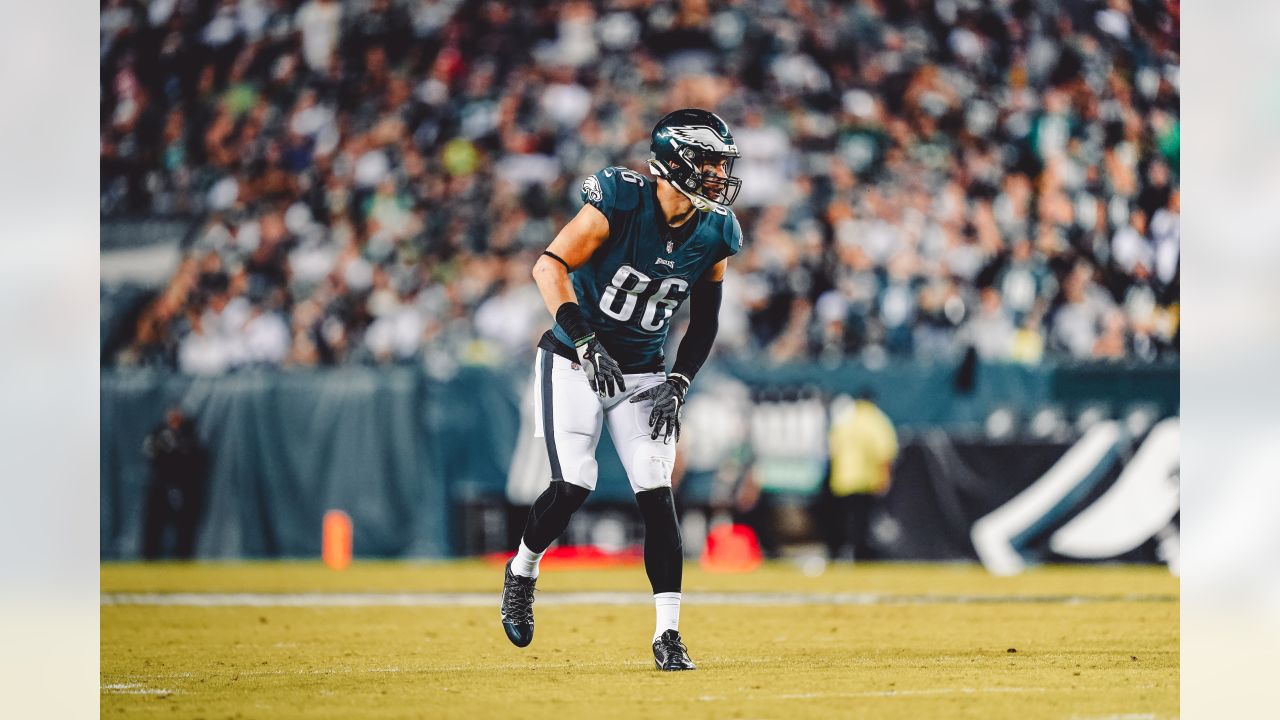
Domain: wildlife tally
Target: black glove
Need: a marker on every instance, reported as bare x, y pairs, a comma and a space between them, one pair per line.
668, 399
602, 370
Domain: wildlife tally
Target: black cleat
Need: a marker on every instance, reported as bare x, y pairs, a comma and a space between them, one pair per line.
669, 653
517, 607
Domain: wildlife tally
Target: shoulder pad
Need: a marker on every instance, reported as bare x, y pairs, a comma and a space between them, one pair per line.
732, 234
613, 189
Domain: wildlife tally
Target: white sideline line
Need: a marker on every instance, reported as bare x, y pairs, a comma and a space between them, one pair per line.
428, 670
136, 689
133, 689
881, 693
909, 693
320, 599
1124, 716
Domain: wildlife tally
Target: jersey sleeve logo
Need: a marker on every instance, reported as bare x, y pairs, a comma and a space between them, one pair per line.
591, 187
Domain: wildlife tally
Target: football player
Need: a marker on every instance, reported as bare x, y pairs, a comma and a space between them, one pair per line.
612, 279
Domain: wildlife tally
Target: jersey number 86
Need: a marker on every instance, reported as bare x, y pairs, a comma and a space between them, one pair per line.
625, 290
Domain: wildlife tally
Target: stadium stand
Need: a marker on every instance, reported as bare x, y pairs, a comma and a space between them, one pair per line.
369, 182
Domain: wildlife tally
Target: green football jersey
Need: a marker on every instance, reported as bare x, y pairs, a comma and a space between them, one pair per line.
629, 289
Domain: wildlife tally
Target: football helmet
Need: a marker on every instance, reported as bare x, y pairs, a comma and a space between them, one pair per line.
694, 151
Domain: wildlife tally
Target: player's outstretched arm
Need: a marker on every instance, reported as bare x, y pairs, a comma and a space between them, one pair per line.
695, 346
575, 244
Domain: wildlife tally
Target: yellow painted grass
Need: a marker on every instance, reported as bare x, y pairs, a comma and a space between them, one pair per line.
921, 661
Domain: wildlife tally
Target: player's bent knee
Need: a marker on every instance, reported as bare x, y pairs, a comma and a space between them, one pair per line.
658, 510
582, 474
570, 495
649, 472
550, 513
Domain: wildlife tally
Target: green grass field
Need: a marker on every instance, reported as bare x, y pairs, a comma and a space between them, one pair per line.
880, 641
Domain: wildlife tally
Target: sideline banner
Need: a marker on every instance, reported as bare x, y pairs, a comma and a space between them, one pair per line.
403, 453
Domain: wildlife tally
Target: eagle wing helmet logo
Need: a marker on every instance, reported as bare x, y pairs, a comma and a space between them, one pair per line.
703, 137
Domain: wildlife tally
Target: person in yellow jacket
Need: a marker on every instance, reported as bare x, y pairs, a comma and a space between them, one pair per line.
863, 446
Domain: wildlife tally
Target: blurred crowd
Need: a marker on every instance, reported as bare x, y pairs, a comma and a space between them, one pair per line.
373, 179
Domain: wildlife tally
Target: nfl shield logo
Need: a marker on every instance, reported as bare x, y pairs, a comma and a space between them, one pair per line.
670, 247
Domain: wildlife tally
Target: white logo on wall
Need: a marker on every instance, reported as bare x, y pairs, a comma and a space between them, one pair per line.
591, 186
1141, 504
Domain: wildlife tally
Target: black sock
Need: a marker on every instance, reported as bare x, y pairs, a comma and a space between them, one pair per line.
663, 547
550, 513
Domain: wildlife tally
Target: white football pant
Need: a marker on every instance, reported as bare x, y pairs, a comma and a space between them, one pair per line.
569, 415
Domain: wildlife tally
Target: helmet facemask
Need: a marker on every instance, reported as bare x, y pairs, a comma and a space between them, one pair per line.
706, 178
714, 173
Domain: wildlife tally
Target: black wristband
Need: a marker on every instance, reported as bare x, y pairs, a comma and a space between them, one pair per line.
570, 319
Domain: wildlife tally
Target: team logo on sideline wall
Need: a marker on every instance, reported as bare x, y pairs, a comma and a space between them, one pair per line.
591, 186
